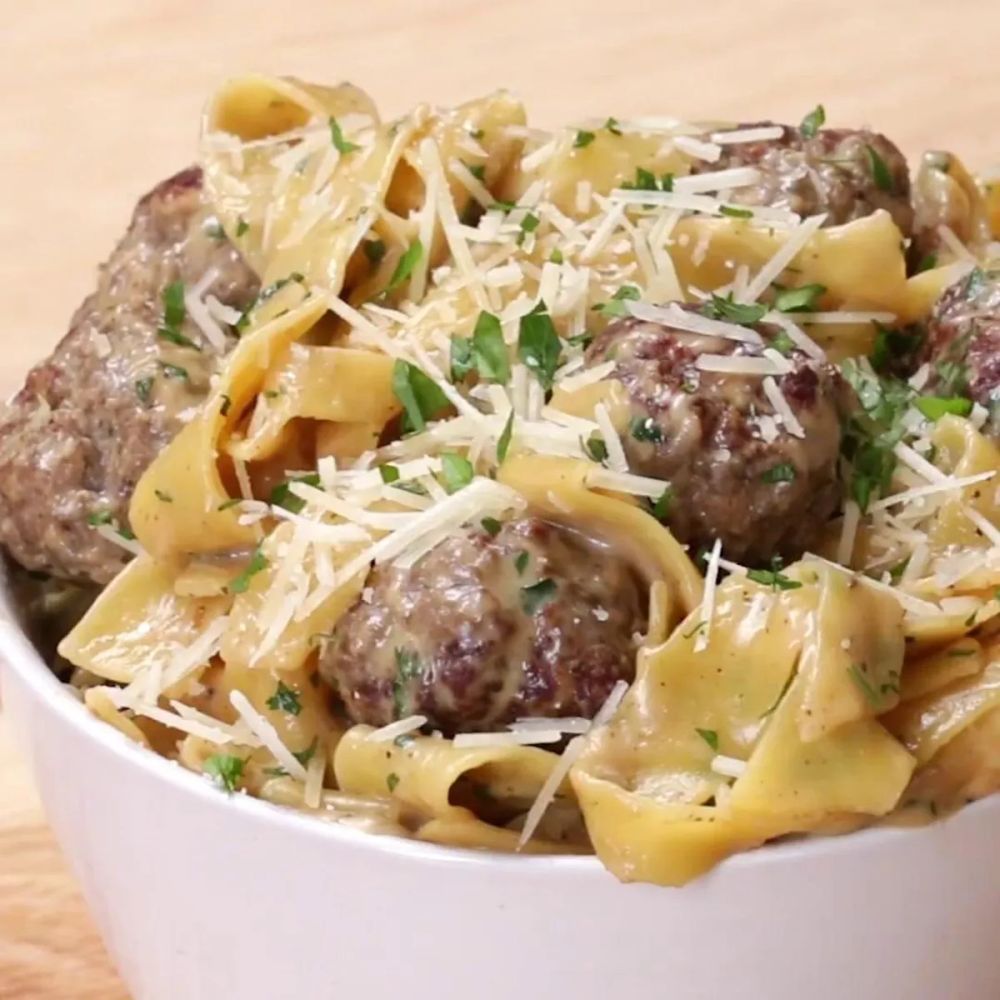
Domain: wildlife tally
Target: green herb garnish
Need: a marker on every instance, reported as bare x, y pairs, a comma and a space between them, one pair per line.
456, 471
240, 584
407, 668
174, 313
595, 447
226, 770
724, 308
163, 495
783, 472
282, 495
537, 595
710, 736
801, 299
646, 429
935, 407
491, 526
374, 250
305, 756
337, 136
241, 226
583, 139
420, 396
880, 171
734, 212
615, 307
538, 344
391, 781
405, 265
173, 371
389, 473
503, 443
144, 388
813, 122
661, 507
489, 352
521, 562
284, 699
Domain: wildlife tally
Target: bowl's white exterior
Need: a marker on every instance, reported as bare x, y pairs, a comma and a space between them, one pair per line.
204, 897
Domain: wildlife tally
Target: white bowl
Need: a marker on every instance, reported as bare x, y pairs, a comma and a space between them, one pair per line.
200, 896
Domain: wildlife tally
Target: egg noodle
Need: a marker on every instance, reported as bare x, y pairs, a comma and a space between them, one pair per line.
859, 683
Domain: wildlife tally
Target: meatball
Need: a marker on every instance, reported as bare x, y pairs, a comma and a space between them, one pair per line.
90, 419
846, 173
530, 620
963, 342
733, 470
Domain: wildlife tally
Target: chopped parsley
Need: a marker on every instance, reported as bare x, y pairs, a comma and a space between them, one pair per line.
928, 262
813, 122
783, 472
275, 772
612, 126
645, 180
895, 345
583, 139
226, 770
489, 352
724, 308
710, 736
661, 507
460, 361
734, 212
240, 584
408, 668
305, 756
935, 407
282, 495
537, 595
241, 226
782, 343
556, 257
528, 225
478, 170
491, 526
521, 562
144, 388
880, 171
174, 371
391, 781
872, 433
174, 314
860, 678
456, 471
284, 699
163, 495
781, 694
337, 137
773, 577
503, 443
389, 473
420, 396
230, 503
801, 299
99, 517
615, 306
595, 447
405, 265
538, 344
646, 429
374, 250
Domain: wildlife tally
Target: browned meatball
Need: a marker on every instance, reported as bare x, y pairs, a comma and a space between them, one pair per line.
963, 342
89, 420
531, 620
734, 472
846, 173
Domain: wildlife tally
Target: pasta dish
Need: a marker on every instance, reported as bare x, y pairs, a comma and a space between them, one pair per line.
628, 489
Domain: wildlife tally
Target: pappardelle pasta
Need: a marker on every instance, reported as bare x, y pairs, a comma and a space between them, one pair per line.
628, 488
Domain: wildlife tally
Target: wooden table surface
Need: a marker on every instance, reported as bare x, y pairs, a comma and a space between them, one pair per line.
102, 98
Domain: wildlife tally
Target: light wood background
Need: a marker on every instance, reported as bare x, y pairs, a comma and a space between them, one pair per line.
102, 98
